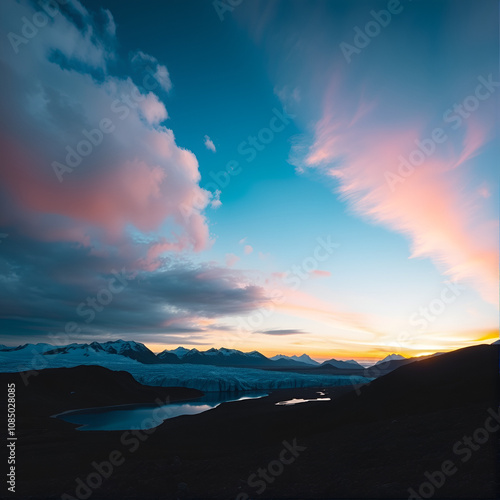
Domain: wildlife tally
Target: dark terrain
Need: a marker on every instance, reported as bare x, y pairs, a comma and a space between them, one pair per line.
373, 443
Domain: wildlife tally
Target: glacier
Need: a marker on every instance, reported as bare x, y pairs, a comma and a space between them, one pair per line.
206, 378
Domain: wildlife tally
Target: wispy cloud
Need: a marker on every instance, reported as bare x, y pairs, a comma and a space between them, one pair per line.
215, 200
146, 63
319, 273
209, 144
231, 259
282, 332
450, 226
372, 112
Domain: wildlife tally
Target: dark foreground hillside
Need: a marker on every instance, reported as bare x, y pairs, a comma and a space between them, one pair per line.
376, 442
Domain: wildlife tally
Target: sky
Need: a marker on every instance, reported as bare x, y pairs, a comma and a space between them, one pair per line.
286, 176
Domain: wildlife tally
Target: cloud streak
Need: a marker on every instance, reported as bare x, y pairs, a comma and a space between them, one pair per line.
282, 332
49, 284
433, 207
372, 111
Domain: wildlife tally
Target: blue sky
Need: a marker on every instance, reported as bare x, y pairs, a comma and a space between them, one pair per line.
208, 238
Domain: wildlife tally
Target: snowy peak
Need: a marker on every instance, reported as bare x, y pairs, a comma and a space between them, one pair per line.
255, 354
224, 357
41, 347
179, 351
391, 357
214, 356
213, 352
122, 349
129, 349
230, 352
122, 345
226, 352
336, 363
304, 358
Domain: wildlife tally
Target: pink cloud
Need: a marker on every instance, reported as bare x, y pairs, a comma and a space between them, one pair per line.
433, 205
152, 109
231, 259
318, 273
304, 305
279, 275
484, 191
264, 256
248, 249
136, 179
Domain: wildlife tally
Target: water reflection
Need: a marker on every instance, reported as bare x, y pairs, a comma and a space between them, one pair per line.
147, 416
295, 401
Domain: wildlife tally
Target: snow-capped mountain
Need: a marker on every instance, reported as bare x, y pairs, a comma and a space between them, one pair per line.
203, 377
304, 358
391, 357
179, 351
224, 357
129, 349
138, 352
342, 364
233, 357
41, 347
168, 357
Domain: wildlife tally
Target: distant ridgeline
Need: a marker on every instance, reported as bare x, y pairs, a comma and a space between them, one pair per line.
216, 357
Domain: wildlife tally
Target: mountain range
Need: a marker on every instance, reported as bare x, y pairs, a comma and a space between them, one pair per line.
133, 350
343, 364
181, 355
304, 358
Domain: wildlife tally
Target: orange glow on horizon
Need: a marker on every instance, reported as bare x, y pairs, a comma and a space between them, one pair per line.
367, 355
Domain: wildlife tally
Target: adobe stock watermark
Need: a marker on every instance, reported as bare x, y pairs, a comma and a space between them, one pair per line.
223, 6
103, 298
91, 139
267, 475
422, 318
130, 442
249, 148
293, 278
371, 372
454, 117
372, 29
426, 315
31, 27
88, 309
465, 449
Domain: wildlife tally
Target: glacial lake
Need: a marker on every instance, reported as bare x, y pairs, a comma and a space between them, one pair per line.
148, 416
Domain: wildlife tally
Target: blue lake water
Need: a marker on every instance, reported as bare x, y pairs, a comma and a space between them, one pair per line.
147, 416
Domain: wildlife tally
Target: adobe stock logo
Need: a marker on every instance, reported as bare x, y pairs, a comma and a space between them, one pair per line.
463, 448
455, 116
223, 6
373, 28
267, 475
39, 20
